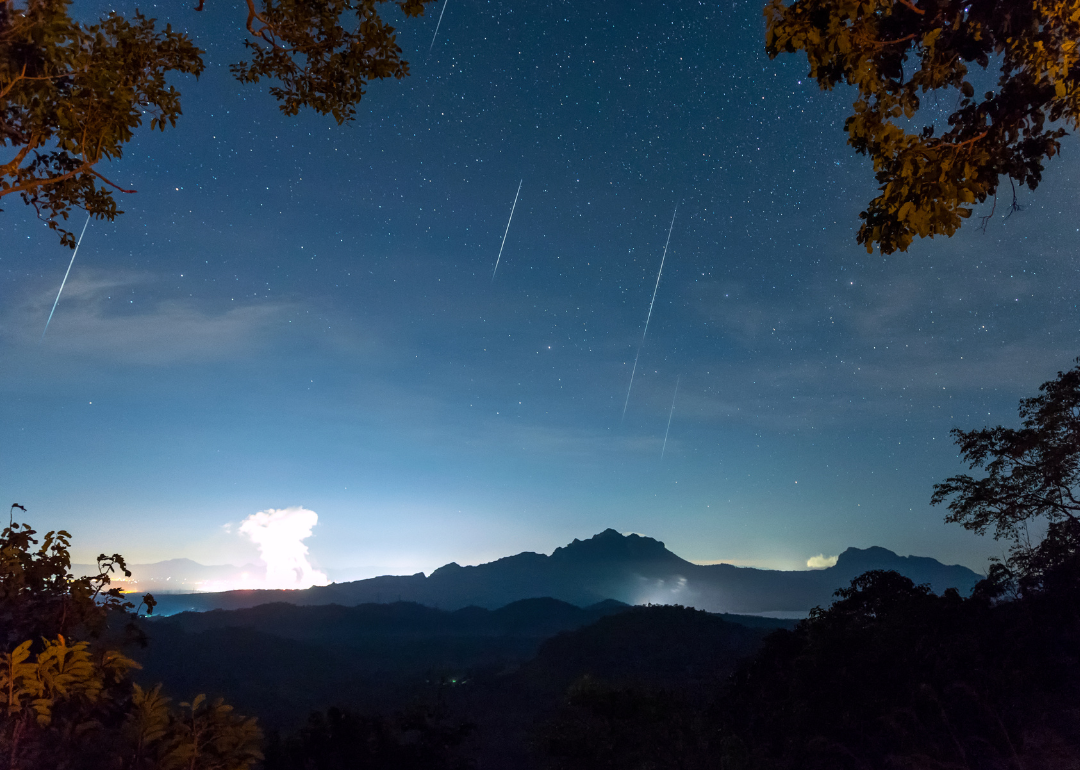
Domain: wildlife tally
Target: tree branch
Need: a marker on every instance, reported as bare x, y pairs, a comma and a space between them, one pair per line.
986, 219
883, 43
906, 3
958, 145
23, 76
11, 85
48, 180
12, 165
252, 16
1074, 501
1048, 502
110, 182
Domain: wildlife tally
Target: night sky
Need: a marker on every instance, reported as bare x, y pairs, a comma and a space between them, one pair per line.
296, 313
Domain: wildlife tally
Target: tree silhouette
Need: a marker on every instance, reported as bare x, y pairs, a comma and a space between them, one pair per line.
893, 676
67, 701
40, 598
1032, 480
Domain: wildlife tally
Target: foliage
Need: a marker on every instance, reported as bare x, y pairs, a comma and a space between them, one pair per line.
1032, 478
69, 708
892, 676
59, 672
321, 60
601, 726
895, 52
422, 738
39, 597
638, 688
72, 95
204, 734
68, 704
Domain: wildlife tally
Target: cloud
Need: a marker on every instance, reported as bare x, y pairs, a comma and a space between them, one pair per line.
123, 318
821, 561
279, 535
879, 341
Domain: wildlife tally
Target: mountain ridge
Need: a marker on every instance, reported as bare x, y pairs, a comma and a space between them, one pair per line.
633, 569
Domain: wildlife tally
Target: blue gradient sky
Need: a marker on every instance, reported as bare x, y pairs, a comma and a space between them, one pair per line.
292, 312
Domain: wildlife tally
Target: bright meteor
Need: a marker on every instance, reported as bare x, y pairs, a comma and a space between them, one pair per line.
672, 412
437, 27
651, 303
511, 219
72, 262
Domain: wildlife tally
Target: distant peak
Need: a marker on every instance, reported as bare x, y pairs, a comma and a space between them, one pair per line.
447, 568
613, 536
875, 553
875, 550
857, 557
613, 545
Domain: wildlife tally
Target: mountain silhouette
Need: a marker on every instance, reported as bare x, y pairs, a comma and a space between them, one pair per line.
627, 568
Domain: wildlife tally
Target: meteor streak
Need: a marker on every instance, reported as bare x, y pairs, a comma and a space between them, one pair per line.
72, 262
511, 219
666, 432
649, 316
437, 27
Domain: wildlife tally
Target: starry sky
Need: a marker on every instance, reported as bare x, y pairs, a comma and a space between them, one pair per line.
296, 313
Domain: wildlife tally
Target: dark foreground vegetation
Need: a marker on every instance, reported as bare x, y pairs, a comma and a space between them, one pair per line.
890, 675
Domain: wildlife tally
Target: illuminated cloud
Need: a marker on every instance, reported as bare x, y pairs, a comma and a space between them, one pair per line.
279, 535
821, 561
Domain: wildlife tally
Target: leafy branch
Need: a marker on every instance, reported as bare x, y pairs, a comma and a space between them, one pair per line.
72, 95
928, 184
